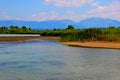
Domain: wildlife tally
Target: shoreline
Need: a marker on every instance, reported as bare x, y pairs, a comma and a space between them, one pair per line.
94, 44
28, 38
87, 44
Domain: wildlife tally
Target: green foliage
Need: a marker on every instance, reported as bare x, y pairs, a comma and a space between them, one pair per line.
57, 32
70, 34
3, 30
112, 34
91, 34
70, 27
16, 30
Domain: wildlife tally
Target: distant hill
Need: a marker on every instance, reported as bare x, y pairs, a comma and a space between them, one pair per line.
62, 24
98, 22
51, 24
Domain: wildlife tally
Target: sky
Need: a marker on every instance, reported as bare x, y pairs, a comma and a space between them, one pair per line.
41, 10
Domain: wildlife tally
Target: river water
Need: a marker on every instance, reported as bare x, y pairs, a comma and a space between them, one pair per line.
52, 61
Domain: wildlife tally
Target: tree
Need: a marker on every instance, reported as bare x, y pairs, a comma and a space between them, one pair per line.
70, 27
24, 27
14, 29
4, 29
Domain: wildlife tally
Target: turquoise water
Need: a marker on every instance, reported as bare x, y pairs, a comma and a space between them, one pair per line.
52, 61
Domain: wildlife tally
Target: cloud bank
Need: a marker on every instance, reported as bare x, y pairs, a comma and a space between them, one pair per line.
109, 11
86, 9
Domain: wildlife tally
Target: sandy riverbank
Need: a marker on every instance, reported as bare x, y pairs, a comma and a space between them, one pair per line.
28, 38
94, 44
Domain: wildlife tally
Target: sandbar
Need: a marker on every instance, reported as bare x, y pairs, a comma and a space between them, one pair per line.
94, 44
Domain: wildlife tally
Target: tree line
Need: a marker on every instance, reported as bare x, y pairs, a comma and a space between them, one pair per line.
17, 30
110, 33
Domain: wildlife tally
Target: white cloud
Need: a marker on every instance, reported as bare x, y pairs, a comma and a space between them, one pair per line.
110, 11
67, 3
99, 9
57, 16
45, 16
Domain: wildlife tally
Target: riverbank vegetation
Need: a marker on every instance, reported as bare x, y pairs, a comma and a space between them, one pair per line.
70, 33
17, 30
91, 34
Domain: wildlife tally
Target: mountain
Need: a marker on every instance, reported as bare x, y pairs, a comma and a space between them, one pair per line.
51, 24
98, 22
62, 24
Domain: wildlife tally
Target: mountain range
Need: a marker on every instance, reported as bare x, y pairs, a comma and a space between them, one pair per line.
62, 24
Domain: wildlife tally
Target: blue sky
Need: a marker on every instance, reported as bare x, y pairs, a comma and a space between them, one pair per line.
76, 10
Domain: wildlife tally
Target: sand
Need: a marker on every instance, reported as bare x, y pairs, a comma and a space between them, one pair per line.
94, 44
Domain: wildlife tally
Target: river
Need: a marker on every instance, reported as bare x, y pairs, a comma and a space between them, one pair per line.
52, 61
